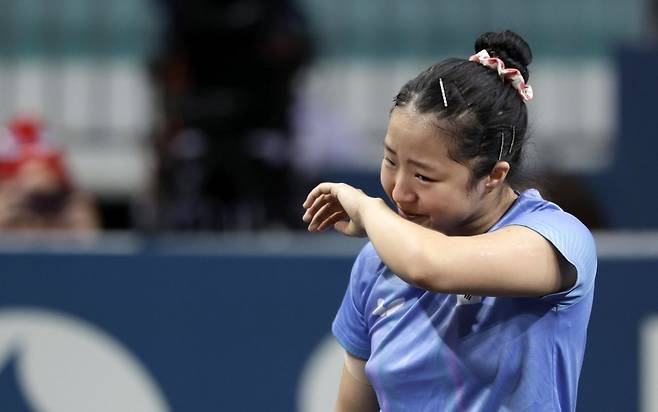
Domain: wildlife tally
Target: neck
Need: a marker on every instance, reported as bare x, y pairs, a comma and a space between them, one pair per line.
494, 206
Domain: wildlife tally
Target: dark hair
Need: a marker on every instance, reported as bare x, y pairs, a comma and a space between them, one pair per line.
482, 111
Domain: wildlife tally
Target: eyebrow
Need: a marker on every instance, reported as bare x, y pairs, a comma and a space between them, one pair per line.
416, 163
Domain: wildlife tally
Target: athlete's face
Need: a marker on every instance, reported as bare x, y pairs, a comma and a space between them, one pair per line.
426, 185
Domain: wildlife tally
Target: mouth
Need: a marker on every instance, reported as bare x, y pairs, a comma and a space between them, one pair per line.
409, 216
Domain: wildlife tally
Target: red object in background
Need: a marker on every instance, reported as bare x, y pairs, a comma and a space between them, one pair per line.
24, 141
26, 130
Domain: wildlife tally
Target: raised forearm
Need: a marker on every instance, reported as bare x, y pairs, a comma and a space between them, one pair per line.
400, 243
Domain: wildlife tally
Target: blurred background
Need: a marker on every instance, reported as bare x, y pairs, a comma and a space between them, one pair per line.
154, 155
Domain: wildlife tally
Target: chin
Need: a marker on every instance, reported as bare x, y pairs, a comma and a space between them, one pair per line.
424, 222
438, 227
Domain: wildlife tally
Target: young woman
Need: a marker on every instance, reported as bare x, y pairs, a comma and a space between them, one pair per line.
472, 295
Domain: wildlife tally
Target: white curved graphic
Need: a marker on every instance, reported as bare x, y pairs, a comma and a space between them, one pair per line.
318, 385
67, 365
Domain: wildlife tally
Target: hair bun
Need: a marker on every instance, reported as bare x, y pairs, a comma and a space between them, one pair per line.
508, 46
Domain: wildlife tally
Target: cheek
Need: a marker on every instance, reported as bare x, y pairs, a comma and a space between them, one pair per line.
448, 202
387, 180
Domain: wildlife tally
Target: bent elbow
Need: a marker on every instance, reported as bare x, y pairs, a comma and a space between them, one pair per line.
428, 281
426, 275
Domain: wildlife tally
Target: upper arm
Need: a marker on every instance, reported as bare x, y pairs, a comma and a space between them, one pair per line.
512, 261
350, 325
355, 393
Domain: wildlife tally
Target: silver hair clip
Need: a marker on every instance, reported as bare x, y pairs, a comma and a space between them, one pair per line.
443, 93
513, 136
502, 143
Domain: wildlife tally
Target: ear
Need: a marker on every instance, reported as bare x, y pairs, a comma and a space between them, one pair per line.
497, 176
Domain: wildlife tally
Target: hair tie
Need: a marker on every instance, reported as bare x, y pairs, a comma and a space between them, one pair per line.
513, 75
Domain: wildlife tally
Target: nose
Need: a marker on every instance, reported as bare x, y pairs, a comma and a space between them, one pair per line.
403, 191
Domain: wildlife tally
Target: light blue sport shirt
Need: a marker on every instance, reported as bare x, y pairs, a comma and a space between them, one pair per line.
430, 351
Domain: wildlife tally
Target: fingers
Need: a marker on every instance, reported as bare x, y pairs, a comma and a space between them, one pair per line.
319, 190
324, 214
317, 204
342, 227
348, 228
324, 210
331, 220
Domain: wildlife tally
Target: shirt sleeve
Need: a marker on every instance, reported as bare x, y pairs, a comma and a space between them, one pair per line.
574, 241
350, 326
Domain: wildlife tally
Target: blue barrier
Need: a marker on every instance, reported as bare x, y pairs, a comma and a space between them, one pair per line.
234, 332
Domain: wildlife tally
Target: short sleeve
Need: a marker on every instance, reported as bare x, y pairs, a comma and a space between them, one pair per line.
574, 241
350, 327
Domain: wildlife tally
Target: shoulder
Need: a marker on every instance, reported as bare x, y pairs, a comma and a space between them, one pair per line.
368, 254
367, 263
367, 268
566, 233
549, 220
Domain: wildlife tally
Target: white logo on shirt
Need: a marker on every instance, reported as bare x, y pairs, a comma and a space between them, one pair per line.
468, 299
382, 310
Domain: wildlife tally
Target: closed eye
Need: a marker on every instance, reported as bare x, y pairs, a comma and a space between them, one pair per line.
424, 178
388, 161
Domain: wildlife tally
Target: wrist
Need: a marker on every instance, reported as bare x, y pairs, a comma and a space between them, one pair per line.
370, 204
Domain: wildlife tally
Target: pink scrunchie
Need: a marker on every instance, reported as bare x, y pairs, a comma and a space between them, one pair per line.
513, 75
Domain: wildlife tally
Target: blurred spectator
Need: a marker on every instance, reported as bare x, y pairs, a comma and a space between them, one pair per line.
226, 80
36, 190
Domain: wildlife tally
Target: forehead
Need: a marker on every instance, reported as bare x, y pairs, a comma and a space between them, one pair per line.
416, 135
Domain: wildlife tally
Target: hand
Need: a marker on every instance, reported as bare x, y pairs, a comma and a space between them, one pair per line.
336, 204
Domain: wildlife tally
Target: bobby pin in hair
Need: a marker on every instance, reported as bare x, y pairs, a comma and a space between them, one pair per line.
443, 93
